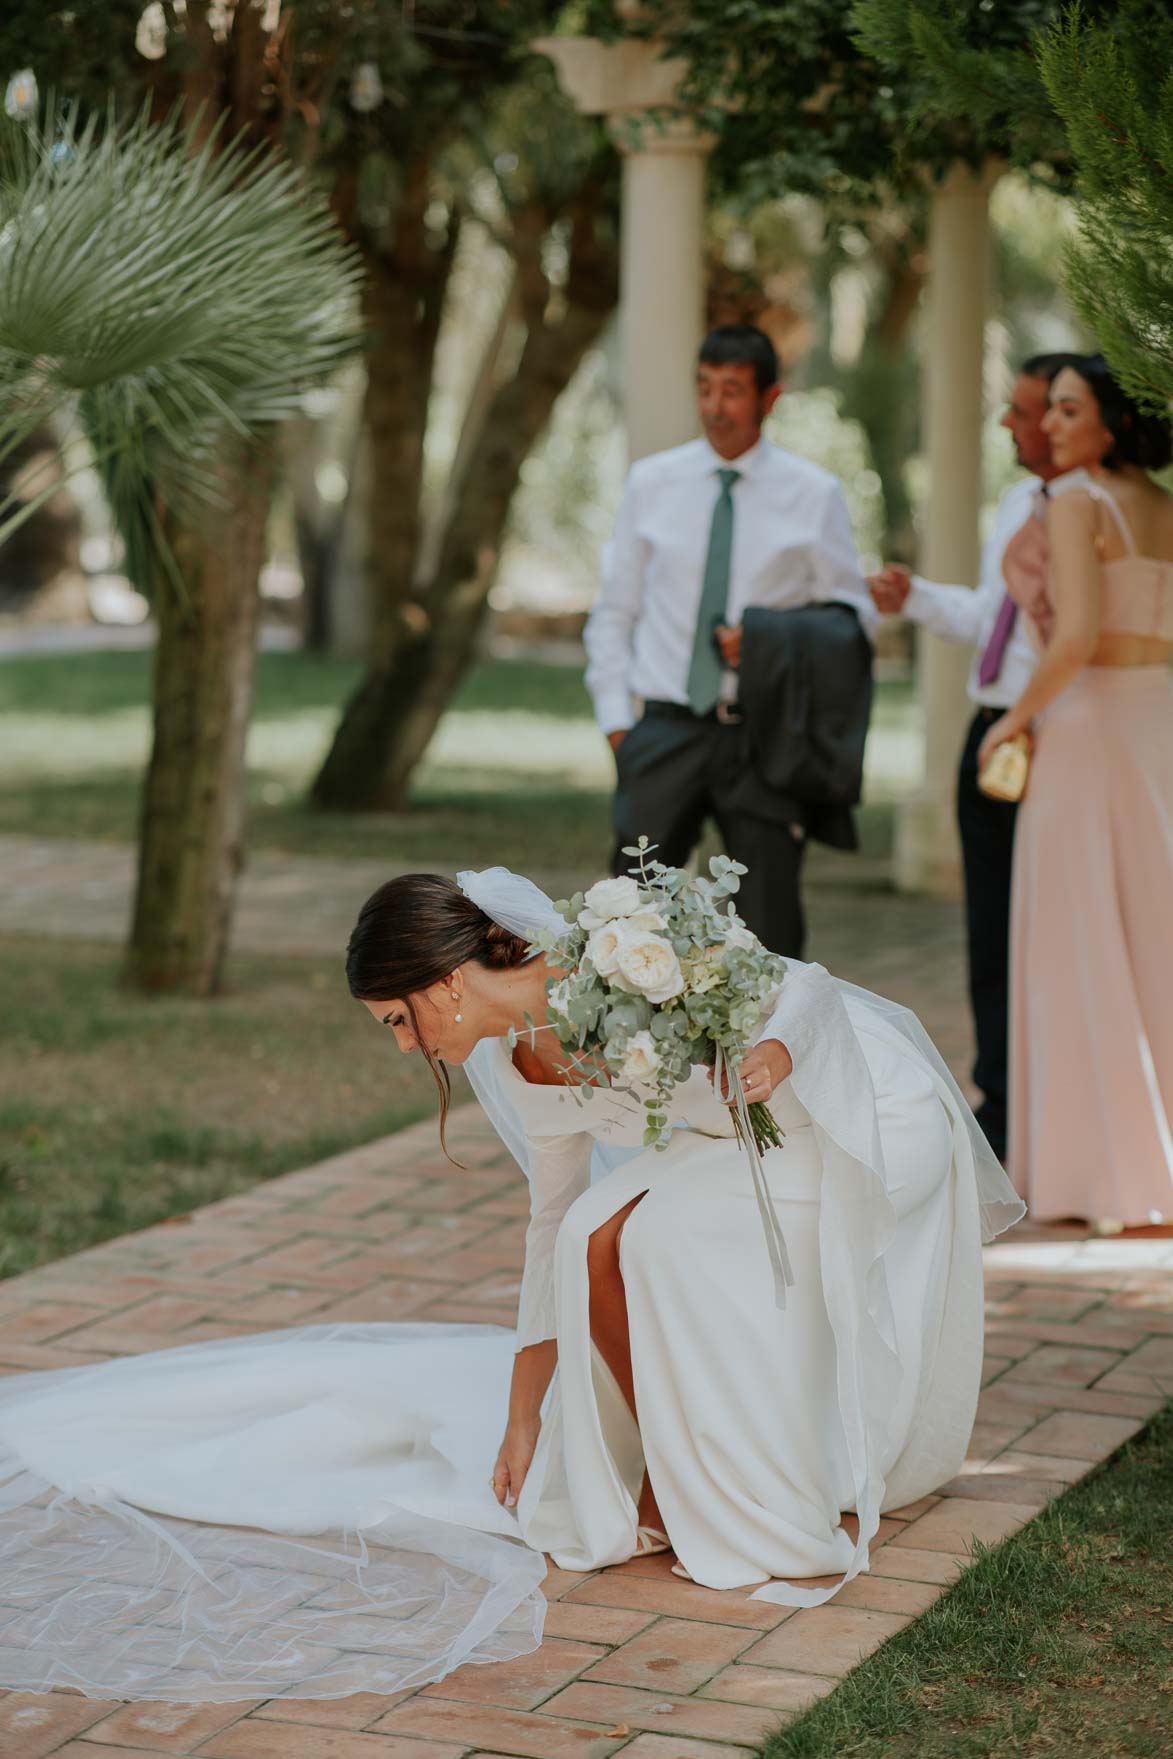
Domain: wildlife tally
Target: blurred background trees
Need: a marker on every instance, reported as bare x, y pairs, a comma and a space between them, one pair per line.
458, 474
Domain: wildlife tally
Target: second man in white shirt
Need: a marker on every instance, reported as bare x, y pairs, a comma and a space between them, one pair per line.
1004, 659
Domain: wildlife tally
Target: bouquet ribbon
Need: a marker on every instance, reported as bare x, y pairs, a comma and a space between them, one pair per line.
771, 1226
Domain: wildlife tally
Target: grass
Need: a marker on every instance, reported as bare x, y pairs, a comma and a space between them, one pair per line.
117, 1111
517, 774
1056, 1642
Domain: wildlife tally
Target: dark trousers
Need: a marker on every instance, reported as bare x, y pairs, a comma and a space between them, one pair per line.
676, 771
987, 849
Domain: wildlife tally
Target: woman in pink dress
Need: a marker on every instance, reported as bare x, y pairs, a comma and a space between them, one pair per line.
1091, 1033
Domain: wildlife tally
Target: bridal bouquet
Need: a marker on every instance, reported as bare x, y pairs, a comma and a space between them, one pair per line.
662, 975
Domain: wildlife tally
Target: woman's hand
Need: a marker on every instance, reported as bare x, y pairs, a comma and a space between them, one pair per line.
1007, 727
763, 1068
513, 1461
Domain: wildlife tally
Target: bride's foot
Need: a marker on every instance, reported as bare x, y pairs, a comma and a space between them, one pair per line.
651, 1534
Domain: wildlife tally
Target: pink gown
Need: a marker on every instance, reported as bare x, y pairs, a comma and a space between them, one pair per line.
1091, 1006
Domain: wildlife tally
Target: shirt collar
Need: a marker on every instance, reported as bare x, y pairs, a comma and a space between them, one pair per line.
748, 464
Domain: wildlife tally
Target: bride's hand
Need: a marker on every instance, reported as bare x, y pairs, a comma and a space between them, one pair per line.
763, 1068
513, 1461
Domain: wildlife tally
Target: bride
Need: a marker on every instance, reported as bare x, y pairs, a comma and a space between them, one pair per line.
364, 1507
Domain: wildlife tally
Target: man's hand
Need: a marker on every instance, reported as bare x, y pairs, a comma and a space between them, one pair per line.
889, 588
615, 739
513, 1461
728, 639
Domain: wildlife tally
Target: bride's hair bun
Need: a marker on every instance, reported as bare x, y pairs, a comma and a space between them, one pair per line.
503, 949
414, 931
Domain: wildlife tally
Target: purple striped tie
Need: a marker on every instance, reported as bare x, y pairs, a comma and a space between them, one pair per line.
995, 649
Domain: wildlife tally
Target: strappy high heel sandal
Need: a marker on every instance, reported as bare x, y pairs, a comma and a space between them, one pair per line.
650, 1540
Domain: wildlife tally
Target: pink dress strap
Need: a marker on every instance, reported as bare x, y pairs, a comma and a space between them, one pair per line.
1106, 498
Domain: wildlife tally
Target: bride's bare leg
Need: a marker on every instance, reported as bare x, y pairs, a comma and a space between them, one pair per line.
609, 1328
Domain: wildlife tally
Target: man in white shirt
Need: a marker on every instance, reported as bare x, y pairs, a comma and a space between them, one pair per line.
705, 531
1004, 659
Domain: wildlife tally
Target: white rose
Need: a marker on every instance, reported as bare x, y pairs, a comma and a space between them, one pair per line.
648, 965
602, 948
647, 918
642, 1060
608, 899
737, 935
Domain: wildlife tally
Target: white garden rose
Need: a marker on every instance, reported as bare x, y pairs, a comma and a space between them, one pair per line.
642, 1061
602, 948
737, 935
608, 899
647, 965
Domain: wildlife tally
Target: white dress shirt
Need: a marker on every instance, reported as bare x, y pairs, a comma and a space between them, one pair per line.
962, 613
792, 545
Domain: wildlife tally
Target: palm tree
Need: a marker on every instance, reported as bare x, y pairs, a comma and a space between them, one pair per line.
172, 296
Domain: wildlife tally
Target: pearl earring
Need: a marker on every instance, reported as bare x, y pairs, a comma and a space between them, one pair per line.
456, 998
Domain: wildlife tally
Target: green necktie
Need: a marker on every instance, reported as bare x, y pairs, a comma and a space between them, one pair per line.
706, 666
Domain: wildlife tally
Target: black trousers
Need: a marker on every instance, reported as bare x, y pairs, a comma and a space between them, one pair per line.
987, 849
676, 771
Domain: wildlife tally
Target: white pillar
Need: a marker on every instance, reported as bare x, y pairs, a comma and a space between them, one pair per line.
662, 275
662, 294
953, 350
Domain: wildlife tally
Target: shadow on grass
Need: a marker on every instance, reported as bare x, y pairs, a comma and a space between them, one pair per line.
1056, 1641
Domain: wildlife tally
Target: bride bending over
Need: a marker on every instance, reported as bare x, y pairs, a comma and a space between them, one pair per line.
682, 1409
339, 1508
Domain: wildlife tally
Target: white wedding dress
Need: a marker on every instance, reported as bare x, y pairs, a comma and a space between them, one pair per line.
308, 1512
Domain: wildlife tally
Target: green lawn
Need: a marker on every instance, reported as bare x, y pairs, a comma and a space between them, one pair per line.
1056, 1643
118, 1110
517, 773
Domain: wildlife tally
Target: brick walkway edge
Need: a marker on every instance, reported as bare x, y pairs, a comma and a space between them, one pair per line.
1080, 1353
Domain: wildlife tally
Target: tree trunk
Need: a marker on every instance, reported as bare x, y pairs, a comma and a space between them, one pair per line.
193, 806
422, 651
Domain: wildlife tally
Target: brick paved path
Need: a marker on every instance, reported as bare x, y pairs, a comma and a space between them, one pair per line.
1080, 1353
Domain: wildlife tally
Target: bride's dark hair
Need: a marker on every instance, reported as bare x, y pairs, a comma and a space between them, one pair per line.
414, 932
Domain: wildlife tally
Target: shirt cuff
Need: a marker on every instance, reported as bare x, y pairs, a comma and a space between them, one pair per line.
615, 712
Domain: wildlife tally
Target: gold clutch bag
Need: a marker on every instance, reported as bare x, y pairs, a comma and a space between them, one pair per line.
1006, 770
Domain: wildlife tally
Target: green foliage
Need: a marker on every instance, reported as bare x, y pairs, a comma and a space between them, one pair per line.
1055, 1642
1086, 86
179, 296
969, 67
800, 97
1112, 85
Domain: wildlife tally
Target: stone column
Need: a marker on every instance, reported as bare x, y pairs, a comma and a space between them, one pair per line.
662, 279
662, 294
953, 351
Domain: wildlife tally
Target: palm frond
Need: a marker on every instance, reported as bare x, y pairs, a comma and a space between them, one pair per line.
180, 296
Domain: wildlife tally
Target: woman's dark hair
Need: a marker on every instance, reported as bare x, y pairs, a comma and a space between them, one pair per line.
741, 345
1138, 436
413, 932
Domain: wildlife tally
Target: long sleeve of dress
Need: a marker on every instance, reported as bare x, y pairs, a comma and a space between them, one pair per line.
559, 1171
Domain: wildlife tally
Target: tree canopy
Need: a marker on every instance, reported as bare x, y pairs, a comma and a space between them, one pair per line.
1089, 85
